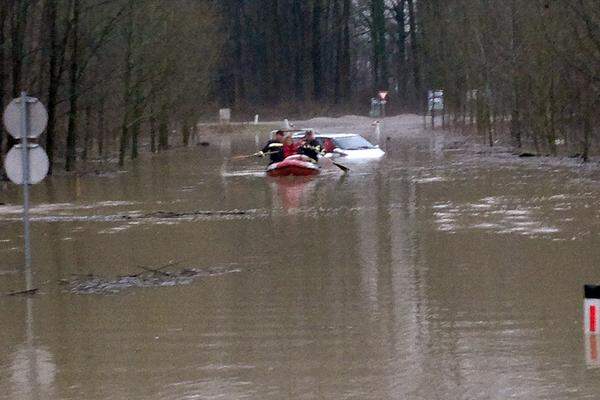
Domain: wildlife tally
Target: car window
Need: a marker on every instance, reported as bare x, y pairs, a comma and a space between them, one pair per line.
352, 143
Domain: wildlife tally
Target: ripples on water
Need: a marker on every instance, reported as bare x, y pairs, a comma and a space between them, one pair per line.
434, 274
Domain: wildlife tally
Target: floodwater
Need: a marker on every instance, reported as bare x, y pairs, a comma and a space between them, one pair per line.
436, 273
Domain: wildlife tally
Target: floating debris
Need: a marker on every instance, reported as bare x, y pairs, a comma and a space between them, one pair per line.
27, 292
93, 284
173, 214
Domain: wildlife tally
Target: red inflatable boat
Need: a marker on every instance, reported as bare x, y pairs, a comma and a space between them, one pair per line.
298, 165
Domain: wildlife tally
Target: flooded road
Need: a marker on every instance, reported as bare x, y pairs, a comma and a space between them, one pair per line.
436, 273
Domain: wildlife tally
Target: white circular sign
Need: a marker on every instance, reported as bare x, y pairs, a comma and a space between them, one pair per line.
38, 164
38, 117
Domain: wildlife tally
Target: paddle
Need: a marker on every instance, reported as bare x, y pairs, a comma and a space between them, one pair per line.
268, 153
340, 166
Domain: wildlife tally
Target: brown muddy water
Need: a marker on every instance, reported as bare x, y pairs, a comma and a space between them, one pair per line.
436, 273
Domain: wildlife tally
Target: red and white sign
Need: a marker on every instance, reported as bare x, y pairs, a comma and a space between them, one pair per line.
383, 94
591, 312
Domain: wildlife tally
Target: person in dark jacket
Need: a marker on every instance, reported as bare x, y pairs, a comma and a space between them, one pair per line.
310, 146
274, 148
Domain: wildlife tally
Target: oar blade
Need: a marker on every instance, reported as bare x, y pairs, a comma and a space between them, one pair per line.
342, 167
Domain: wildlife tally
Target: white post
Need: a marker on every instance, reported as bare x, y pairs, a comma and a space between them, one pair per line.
256, 119
25, 168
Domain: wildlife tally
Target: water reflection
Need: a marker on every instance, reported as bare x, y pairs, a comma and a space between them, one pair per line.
292, 192
592, 351
348, 286
33, 370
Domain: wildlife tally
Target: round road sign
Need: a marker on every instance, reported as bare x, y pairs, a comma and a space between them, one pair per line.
38, 164
38, 117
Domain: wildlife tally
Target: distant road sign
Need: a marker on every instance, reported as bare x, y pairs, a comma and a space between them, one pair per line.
435, 100
383, 94
38, 118
38, 164
225, 115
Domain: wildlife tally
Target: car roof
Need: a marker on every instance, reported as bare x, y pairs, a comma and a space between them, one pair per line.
335, 135
292, 131
325, 135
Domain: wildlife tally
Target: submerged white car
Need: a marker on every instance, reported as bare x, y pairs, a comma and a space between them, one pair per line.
347, 145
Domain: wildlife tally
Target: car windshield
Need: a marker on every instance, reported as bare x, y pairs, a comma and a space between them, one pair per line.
352, 143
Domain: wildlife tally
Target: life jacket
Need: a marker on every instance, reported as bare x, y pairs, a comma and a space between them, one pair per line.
290, 149
275, 150
311, 149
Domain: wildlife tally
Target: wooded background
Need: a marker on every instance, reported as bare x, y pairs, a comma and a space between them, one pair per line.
117, 75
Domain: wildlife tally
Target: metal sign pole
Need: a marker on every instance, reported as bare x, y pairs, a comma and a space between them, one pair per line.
25, 166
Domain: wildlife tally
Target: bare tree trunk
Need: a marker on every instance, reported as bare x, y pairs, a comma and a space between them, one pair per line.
53, 81
378, 43
123, 139
127, 107
163, 129
515, 120
18, 26
3, 12
299, 34
316, 51
73, 90
550, 115
337, 79
101, 127
415, 55
87, 136
185, 133
137, 121
587, 135
153, 148
345, 69
587, 127
400, 17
